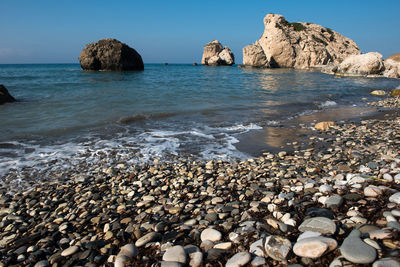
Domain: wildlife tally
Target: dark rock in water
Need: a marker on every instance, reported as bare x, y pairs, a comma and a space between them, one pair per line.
166, 64
5, 96
194, 64
110, 54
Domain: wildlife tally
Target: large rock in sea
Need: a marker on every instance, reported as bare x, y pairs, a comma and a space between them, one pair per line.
5, 96
214, 54
392, 66
110, 54
297, 45
365, 64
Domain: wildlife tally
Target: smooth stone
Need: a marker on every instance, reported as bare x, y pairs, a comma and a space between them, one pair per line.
257, 248
70, 251
396, 213
171, 264
386, 262
153, 236
258, 261
395, 198
318, 224
372, 191
239, 259
211, 217
314, 247
334, 201
368, 228
277, 247
308, 234
196, 259
320, 212
43, 263
129, 250
120, 261
215, 254
175, 253
394, 225
357, 251
210, 234
352, 197
325, 188
224, 245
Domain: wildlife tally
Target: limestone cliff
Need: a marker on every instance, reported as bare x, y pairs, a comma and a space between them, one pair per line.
214, 54
297, 45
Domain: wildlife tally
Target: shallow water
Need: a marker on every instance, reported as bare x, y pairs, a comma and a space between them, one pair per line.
66, 116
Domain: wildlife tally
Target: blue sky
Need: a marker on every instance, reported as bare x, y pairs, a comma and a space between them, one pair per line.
175, 31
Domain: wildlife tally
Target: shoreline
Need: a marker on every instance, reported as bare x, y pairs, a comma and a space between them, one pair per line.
351, 181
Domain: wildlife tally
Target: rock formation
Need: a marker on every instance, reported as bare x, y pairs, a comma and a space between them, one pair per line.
392, 66
369, 64
297, 45
5, 96
110, 54
214, 55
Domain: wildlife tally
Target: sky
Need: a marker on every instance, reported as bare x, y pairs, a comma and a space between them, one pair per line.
175, 31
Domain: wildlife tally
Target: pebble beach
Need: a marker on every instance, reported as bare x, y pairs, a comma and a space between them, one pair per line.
334, 203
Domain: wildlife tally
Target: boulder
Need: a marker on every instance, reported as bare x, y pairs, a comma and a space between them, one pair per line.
395, 57
110, 54
214, 54
253, 55
298, 45
5, 96
365, 64
392, 68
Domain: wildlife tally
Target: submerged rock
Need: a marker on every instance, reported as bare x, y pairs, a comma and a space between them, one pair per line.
5, 96
110, 54
298, 45
214, 54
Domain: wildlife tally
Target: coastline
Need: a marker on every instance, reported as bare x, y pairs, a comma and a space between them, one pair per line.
159, 206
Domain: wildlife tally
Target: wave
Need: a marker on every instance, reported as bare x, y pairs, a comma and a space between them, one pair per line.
140, 117
327, 103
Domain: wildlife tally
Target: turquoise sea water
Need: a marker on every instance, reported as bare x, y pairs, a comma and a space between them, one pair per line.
66, 116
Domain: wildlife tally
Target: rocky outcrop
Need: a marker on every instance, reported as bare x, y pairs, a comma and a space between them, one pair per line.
369, 64
214, 54
297, 45
5, 96
365, 64
110, 54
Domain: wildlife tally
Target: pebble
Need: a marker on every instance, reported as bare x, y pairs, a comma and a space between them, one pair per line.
372, 191
318, 224
395, 198
152, 236
196, 259
277, 247
325, 188
239, 259
314, 247
210, 234
257, 248
258, 261
175, 253
334, 201
386, 262
171, 264
43, 263
69, 251
355, 250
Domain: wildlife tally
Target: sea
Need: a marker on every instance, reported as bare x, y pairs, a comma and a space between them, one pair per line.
66, 118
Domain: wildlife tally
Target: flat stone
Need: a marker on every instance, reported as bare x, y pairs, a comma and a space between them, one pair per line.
394, 225
175, 253
210, 234
334, 201
70, 251
314, 247
372, 191
257, 248
43, 263
224, 245
215, 253
325, 188
320, 212
386, 262
277, 247
258, 261
352, 197
395, 198
357, 251
196, 259
318, 224
153, 236
239, 259
171, 264
129, 250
